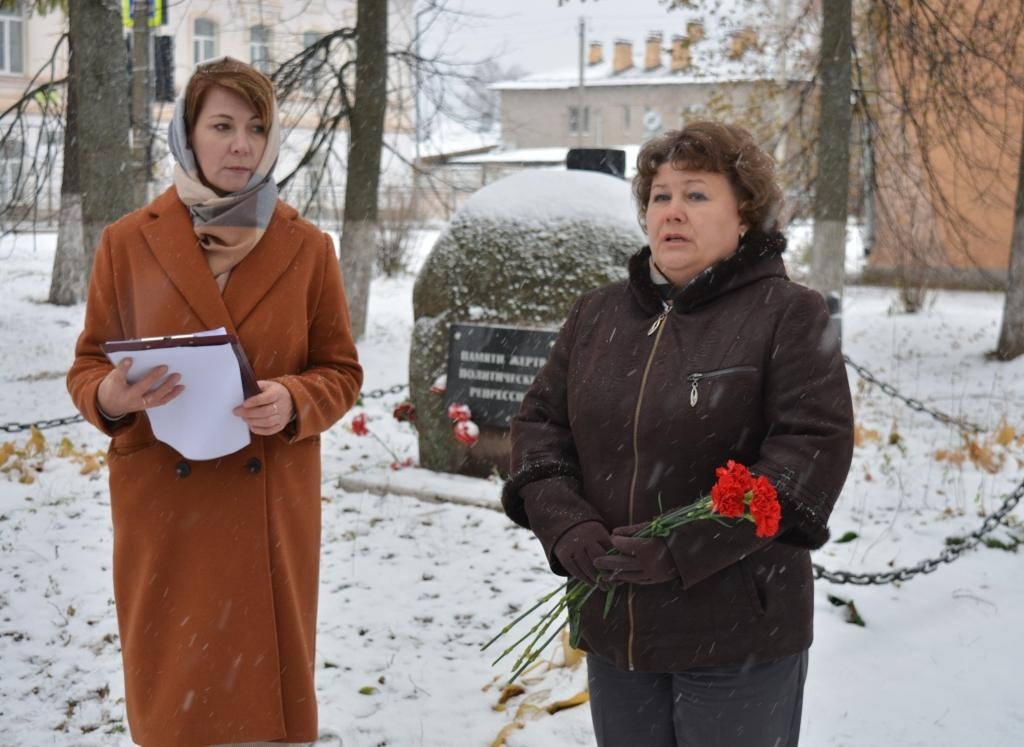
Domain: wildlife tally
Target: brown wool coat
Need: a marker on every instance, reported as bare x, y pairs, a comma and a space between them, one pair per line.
629, 419
216, 562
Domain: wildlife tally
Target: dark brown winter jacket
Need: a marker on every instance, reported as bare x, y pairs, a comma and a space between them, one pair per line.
631, 415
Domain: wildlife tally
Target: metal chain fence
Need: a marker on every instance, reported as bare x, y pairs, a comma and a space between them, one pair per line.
378, 393
72, 419
951, 553
914, 404
948, 555
40, 424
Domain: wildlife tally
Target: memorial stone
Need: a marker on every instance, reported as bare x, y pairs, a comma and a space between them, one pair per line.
494, 292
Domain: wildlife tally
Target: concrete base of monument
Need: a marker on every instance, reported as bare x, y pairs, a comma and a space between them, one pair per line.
424, 485
488, 458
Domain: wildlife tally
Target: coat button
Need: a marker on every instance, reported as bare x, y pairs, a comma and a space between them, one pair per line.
254, 465
182, 469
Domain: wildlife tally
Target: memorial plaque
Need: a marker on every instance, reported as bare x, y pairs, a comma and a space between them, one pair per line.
490, 368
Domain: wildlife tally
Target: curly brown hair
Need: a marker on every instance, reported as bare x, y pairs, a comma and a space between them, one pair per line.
720, 148
237, 77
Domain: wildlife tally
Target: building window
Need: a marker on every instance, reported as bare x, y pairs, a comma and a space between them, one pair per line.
625, 118
11, 48
204, 40
575, 125
259, 48
313, 66
11, 153
316, 186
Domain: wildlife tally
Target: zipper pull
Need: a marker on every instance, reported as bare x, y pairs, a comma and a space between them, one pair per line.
660, 319
694, 378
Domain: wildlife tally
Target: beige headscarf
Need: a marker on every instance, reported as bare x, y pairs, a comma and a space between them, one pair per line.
228, 226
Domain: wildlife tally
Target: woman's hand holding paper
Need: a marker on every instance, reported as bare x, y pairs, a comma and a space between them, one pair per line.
117, 397
269, 411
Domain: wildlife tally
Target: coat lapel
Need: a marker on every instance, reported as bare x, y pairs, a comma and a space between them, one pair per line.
176, 248
255, 275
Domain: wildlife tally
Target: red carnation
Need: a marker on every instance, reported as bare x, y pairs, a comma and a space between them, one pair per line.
359, 425
738, 472
457, 412
729, 494
405, 413
467, 432
765, 508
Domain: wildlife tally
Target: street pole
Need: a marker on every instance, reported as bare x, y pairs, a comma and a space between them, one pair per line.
781, 84
141, 95
579, 106
417, 83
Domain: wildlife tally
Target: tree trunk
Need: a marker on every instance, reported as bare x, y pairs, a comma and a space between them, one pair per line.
101, 85
1011, 334
67, 284
366, 122
141, 97
832, 184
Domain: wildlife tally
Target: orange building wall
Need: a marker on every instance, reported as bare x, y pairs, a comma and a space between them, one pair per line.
915, 234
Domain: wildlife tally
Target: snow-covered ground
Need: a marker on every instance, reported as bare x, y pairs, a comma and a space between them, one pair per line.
410, 589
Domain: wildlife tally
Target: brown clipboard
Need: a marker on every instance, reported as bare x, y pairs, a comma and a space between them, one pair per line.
249, 386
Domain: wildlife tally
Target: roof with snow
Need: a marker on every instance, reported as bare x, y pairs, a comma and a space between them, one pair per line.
738, 41
601, 75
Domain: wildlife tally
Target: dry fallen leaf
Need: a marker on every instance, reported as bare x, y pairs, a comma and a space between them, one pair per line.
862, 435
90, 464
1005, 433
36, 443
560, 705
571, 657
507, 729
508, 692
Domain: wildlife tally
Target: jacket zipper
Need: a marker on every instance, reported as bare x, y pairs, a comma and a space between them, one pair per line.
661, 318
694, 378
657, 327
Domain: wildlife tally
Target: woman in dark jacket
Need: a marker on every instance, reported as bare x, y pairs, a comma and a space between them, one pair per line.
707, 353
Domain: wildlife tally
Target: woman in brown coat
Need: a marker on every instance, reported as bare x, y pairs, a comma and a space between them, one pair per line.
707, 353
216, 562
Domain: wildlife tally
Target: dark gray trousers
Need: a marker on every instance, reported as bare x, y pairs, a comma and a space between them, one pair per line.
743, 706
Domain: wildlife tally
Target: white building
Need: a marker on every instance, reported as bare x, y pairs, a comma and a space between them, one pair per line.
745, 67
184, 33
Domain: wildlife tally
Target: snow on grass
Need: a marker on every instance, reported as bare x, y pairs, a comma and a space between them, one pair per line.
410, 589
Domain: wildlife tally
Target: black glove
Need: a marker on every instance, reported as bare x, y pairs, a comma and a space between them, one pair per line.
640, 560
578, 548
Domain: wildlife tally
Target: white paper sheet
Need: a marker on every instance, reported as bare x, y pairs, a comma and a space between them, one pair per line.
198, 423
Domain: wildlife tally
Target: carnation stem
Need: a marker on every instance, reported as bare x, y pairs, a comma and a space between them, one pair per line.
570, 602
382, 442
541, 624
543, 600
537, 631
534, 654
